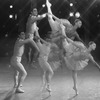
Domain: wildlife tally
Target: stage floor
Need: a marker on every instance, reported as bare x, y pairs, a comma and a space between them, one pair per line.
61, 85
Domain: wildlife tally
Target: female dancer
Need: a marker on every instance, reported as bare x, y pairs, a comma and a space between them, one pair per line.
69, 30
43, 61
19, 70
76, 56
54, 22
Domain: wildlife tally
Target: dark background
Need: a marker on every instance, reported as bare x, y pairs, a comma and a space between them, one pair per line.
10, 28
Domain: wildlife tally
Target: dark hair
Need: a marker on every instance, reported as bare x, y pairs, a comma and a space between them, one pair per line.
91, 42
76, 20
34, 8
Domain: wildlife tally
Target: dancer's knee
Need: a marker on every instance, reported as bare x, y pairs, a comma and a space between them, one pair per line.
24, 74
51, 72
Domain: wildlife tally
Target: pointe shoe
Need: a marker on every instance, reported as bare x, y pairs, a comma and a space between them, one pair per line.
49, 90
15, 86
19, 90
21, 85
76, 92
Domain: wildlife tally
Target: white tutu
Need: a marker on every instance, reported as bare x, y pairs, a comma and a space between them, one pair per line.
76, 58
54, 58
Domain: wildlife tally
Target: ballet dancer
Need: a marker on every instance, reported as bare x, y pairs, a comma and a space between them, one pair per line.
32, 28
19, 70
44, 47
77, 56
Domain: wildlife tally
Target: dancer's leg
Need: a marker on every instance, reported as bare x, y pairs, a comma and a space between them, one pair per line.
27, 53
74, 76
50, 19
16, 76
49, 75
49, 7
22, 73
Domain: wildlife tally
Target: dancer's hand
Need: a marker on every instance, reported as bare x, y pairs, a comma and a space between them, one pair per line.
37, 38
44, 15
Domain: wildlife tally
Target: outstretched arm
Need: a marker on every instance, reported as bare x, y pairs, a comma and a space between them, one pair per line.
75, 44
79, 39
39, 17
32, 43
94, 62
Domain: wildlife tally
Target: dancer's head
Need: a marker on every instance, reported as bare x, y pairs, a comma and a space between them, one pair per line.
92, 45
78, 23
22, 35
34, 12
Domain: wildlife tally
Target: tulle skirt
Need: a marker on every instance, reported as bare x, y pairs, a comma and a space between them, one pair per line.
54, 58
75, 65
75, 59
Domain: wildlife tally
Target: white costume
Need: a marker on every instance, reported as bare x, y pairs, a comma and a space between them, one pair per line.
76, 58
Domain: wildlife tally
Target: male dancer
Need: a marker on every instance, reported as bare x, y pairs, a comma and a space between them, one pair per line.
31, 28
19, 70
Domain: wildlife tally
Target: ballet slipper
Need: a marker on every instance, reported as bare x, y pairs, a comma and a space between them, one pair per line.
21, 85
49, 90
19, 90
76, 92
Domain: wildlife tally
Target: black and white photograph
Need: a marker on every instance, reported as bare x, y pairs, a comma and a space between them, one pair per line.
49, 49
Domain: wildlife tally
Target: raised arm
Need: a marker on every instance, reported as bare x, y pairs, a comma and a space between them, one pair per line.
39, 17
79, 39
